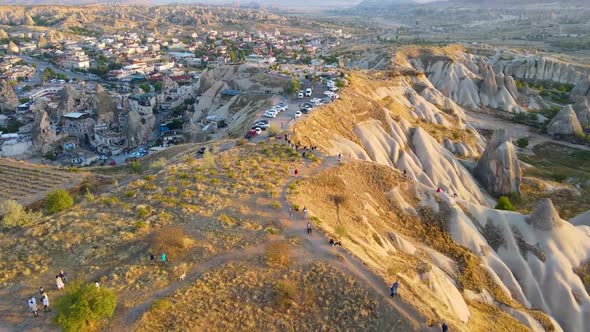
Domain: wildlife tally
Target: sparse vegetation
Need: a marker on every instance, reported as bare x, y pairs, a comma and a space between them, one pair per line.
277, 254
504, 203
14, 215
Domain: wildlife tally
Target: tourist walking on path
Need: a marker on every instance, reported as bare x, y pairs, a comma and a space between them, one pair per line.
45, 301
33, 306
163, 258
64, 276
339, 157
152, 258
58, 282
308, 228
290, 213
444, 327
304, 213
393, 289
295, 172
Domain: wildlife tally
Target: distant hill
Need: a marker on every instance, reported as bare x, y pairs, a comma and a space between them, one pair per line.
278, 3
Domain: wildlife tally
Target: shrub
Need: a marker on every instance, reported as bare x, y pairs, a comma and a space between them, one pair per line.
15, 215
286, 292
242, 141
522, 142
504, 204
171, 240
341, 231
149, 177
158, 164
130, 194
142, 211
277, 254
276, 205
84, 307
58, 200
135, 166
272, 130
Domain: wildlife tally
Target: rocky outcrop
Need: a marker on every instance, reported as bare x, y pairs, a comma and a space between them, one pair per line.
43, 136
565, 123
3, 34
582, 87
139, 127
541, 68
41, 42
545, 217
12, 48
8, 99
582, 110
67, 101
498, 169
103, 103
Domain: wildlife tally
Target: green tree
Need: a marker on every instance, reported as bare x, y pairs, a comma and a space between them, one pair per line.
145, 86
340, 83
232, 56
522, 142
504, 204
58, 200
15, 215
158, 86
293, 86
84, 307
243, 55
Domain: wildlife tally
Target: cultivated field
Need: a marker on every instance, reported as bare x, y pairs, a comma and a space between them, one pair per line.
27, 183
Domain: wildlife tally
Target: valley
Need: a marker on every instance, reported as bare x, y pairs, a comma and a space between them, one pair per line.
261, 168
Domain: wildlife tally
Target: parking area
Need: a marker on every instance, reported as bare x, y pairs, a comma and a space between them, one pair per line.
295, 108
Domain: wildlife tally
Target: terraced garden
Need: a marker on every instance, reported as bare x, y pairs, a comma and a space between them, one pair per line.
27, 183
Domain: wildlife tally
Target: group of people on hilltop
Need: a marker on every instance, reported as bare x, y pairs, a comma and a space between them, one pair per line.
61, 279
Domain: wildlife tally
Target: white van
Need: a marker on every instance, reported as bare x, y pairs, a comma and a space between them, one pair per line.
300, 95
308, 92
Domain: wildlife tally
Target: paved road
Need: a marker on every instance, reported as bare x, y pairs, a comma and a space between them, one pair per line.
42, 65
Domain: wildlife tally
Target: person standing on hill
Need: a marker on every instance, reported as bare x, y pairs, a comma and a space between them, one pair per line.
45, 301
58, 282
290, 213
339, 157
63, 276
444, 327
163, 258
33, 306
393, 289
304, 213
308, 228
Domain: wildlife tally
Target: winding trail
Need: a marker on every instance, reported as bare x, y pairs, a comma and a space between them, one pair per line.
132, 316
317, 245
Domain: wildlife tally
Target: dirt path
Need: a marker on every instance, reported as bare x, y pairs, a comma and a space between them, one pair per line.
317, 246
133, 315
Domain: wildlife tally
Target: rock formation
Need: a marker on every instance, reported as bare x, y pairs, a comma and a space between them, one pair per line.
12, 48
3, 34
43, 136
565, 123
8, 99
139, 127
67, 101
582, 109
544, 217
41, 42
104, 105
541, 68
498, 168
582, 87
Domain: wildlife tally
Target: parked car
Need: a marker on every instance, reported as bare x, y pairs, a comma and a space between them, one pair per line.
202, 150
300, 95
308, 92
268, 114
258, 131
298, 114
262, 125
251, 133
258, 127
283, 105
103, 157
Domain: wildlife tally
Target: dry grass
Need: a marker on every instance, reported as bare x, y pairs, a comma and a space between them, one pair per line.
249, 296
